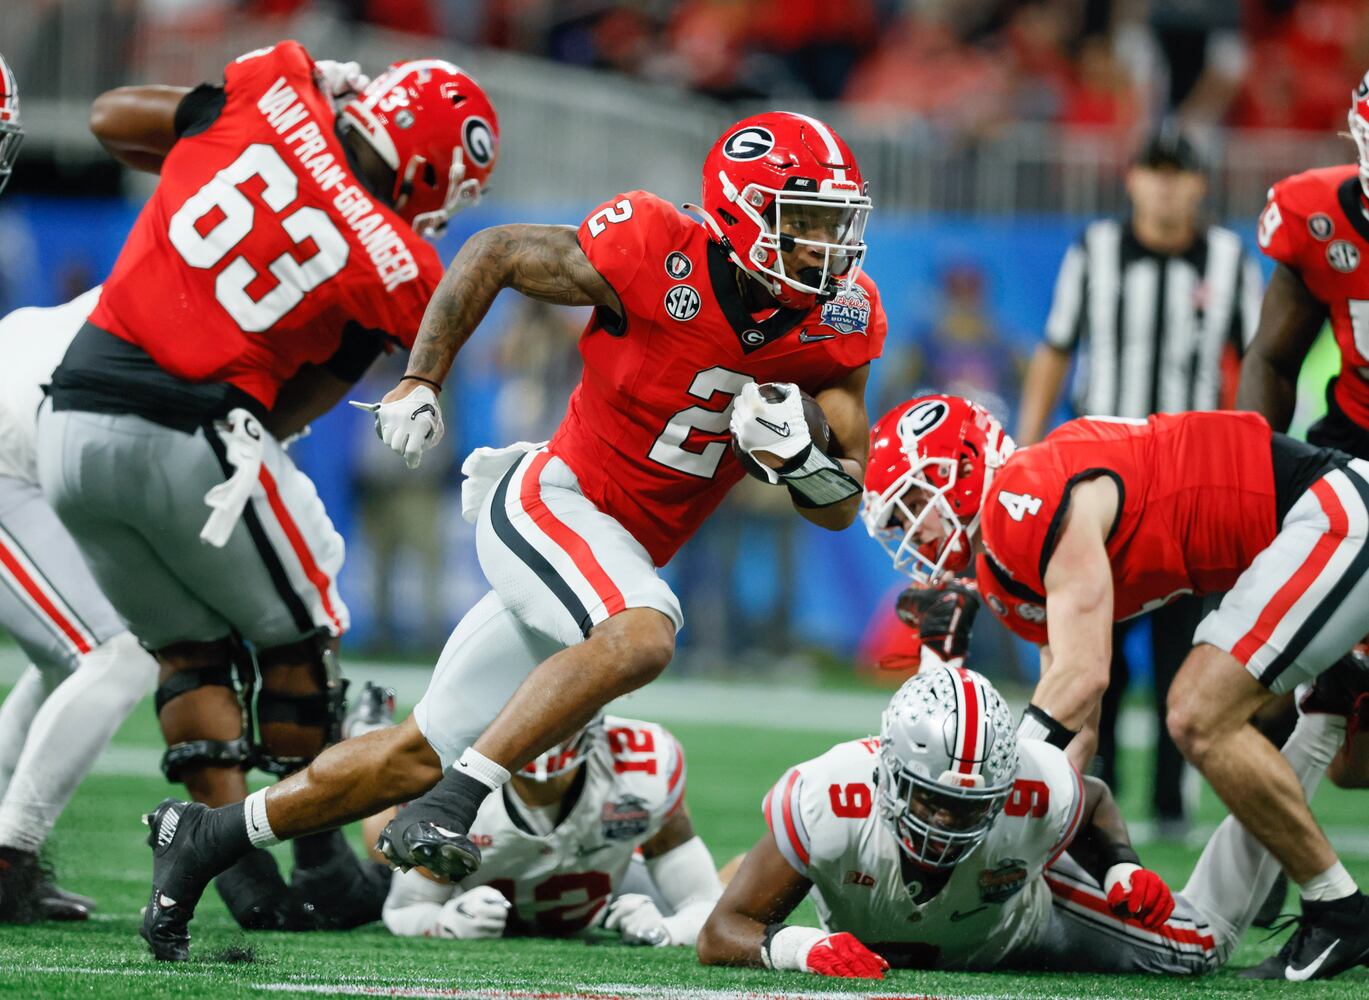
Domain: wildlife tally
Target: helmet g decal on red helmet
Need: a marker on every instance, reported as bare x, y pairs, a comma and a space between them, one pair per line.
434, 126
931, 461
1358, 119
11, 129
779, 181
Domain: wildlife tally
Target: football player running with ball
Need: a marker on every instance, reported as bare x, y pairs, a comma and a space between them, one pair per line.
690, 314
950, 843
278, 256
558, 849
1108, 518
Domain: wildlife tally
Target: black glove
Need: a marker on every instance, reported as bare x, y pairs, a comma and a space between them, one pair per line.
942, 615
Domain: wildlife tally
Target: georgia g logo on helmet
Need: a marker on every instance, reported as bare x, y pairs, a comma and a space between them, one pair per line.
479, 140
749, 143
925, 416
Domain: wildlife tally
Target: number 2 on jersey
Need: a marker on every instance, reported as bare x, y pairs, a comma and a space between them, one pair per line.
669, 449
203, 243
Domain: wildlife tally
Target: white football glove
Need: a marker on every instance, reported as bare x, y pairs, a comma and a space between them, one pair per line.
410, 425
777, 428
340, 80
480, 913
635, 917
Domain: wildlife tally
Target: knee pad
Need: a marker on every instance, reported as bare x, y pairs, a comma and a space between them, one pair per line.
323, 710
207, 752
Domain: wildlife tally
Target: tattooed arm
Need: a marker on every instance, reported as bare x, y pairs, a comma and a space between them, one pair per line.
542, 262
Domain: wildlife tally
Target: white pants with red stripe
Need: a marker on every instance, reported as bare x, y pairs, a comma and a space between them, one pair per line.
49, 602
557, 566
131, 492
1086, 936
1304, 601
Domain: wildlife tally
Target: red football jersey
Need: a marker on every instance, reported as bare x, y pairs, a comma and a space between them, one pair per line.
1197, 505
646, 431
259, 245
1314, 224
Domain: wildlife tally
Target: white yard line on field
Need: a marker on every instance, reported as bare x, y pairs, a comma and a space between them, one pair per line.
580, 991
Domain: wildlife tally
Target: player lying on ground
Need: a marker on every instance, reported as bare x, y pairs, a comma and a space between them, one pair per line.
560, 842
1106, 519
278, 256
86, 672
950, 855
690, 314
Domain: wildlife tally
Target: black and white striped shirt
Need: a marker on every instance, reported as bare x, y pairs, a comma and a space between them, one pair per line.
1151, 328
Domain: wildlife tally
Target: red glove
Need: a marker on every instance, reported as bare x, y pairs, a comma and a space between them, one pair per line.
1139, 893
843, 956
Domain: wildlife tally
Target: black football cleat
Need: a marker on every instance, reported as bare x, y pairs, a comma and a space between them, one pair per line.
409, 841
179, 878
27, 892
256, 895
1331, 937
342, 893
55, 903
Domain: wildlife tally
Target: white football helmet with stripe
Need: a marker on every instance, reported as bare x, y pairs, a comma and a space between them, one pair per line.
566, 755
947, 760
11, 129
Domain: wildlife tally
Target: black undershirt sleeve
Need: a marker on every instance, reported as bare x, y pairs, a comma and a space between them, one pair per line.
199, 109
358, 348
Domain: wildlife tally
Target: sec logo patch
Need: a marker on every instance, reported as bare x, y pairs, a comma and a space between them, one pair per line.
1343, 256
678, 266
682, 303
1032, 612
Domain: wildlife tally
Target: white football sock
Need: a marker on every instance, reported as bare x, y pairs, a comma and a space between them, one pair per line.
258, 826
69, 733
16, 715
482, 769
1334, 883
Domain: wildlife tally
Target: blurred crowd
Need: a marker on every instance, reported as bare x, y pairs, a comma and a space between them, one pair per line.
971, 64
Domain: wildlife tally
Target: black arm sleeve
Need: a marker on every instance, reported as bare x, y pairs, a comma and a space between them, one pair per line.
199, 109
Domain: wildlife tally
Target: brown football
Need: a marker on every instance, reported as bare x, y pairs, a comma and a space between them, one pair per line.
818, 430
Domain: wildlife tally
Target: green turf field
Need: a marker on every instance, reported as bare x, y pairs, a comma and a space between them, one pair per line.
98, 849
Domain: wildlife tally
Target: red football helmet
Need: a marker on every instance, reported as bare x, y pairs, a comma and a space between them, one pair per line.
435, 128
1359, 128
11, 130
564, 756
777, 181
947, 449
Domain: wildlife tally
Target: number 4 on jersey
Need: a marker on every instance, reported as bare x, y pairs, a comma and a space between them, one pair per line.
1019, 505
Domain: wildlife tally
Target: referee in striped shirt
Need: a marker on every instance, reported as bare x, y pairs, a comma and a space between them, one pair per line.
1154, 307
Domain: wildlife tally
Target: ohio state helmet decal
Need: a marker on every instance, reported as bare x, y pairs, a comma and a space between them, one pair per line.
11, 129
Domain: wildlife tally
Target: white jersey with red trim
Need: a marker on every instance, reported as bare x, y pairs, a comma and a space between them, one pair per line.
634, 781
32, 342
994, 905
